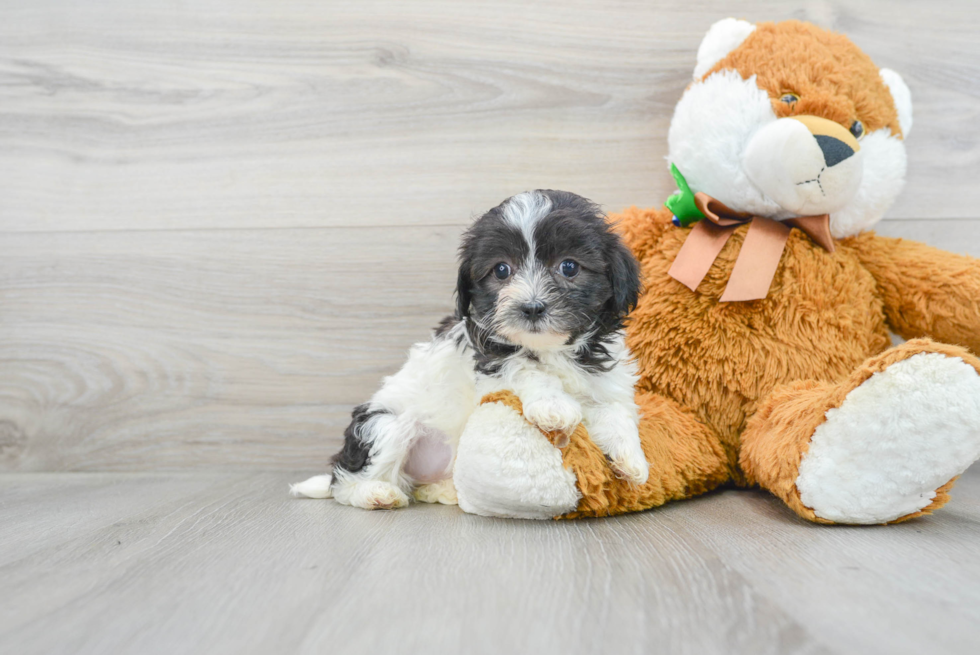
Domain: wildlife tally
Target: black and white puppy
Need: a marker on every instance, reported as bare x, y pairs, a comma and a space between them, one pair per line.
543, 292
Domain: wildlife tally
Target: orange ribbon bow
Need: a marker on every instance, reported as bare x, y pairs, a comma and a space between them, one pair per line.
760, 254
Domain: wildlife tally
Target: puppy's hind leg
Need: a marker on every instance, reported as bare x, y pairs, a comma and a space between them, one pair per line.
368, 471
353, 457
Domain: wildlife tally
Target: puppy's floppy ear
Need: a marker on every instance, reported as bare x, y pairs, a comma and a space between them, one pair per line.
464, 291
624, 276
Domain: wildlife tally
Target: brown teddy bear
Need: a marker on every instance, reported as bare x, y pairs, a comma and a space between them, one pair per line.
762, 335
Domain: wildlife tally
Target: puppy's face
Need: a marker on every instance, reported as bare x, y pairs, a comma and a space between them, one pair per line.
543, 269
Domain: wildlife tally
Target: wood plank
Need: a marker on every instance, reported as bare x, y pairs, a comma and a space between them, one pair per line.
958, 236
227, 563
130, 351
220, 114
149, 351
870, 571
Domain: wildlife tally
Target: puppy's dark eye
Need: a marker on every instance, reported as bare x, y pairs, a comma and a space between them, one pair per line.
501, 271
568, 268
789, 98
857, 129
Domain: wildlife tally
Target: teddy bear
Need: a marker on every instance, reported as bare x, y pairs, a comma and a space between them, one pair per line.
762, 335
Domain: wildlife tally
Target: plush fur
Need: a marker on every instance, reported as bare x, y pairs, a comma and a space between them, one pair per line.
778, 71
863, 471
510, 470
800, 392
776, 377
543, 289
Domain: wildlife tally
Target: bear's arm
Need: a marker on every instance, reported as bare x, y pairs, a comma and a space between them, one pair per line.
927, 292
641, 229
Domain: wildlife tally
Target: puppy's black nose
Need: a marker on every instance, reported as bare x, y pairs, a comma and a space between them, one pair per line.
533, 310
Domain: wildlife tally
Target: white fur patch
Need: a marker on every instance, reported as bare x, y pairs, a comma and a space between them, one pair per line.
316, 487
524, 211
712, 124
881, 182
895, 439
615, 429
442, 492
555, 371
786, 163
371, 494
901, 96
554, 412
505, 467
535, 341
722, 37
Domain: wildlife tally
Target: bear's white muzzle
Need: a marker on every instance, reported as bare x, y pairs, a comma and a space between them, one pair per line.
807, 165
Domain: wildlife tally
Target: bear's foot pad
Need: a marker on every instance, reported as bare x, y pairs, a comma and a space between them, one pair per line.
896, 440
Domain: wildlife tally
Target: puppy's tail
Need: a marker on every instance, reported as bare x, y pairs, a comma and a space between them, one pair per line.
316, 487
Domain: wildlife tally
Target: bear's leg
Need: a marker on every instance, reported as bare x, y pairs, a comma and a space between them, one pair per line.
884, 445
685, 456
505, 466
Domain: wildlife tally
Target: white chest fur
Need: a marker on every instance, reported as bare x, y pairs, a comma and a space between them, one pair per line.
612, 384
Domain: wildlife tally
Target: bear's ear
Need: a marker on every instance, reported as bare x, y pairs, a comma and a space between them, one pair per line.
722, 37
902, 97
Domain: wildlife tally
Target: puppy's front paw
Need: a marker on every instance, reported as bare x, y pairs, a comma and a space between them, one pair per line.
614, 429
631, 468
558, 413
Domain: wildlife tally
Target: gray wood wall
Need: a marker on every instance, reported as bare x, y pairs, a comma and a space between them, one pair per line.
221, 222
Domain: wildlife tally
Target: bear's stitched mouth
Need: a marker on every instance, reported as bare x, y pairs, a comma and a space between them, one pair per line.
817, 180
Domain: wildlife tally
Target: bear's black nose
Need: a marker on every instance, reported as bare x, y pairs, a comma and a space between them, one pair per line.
533, 310
834, 150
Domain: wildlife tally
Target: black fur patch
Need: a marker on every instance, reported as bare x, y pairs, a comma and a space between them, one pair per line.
594, 356
445, 325
489, 241
577, 228
489, 355
356, 453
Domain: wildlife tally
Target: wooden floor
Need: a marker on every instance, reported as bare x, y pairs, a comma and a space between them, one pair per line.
222, 222
148, 563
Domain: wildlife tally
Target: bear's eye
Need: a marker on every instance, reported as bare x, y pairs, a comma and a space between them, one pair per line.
789, 98
857, 129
